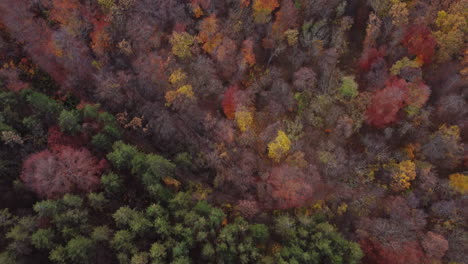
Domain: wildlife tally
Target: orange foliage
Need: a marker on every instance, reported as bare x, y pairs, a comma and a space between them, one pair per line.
99, 37
247, 52
208, 34
245, 3
208, 27
265, 5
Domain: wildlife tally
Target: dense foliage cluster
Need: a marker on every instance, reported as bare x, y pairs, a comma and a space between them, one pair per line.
237, 131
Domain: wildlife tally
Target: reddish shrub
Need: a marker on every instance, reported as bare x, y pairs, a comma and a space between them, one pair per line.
229, 102
50, 174
420, 42
386, 103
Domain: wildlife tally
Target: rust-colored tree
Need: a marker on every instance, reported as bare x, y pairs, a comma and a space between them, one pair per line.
229, 102
420, 42
50, 174
289, 187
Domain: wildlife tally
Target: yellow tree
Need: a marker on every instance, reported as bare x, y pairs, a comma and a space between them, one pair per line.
459, 182
185, 90
406, 172
244, 119
279, 147
450, 34
181, 43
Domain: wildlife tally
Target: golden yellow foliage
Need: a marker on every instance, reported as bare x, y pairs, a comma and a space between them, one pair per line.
291, 36
452, 28
197, 11
459, 182
181, 43
212, 43
406, 172
399, 13
279, 147
177, 76
244, 119
342, 209
185, 90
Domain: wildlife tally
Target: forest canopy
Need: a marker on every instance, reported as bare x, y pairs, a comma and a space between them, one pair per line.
233, 131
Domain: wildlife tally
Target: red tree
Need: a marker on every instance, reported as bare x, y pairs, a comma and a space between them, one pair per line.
50, 174
386, 103
229, 102
420, 42
289, 187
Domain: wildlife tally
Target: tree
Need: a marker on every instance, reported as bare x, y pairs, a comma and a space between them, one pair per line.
420, 42
450, 35
459, 182
305, 78
122, 155
289, 187
279, 147
405, 173
52, 174
43, 239
69, 121
185, 91
181, 43
229, 102
262, 10
405, 62
286, 19
444, 148
244, 119
248, 55
408, 252
435, 245
209, 34
386, 103
349, 87
43, 104
399, 13
112, 183
80, 249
